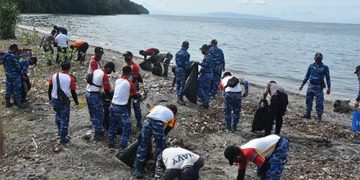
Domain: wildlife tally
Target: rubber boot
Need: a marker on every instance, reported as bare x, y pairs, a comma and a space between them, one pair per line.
8, 103
180, 100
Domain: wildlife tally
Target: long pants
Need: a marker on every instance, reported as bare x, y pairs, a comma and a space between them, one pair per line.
317, 92
137, 110
48, 48
180, 81
166, 66
96, 111
151, 127
277, 160
82, 52
62, 118
217, 70
276, 112
119, 117
61, 53
14, 85
232, 108
204, 89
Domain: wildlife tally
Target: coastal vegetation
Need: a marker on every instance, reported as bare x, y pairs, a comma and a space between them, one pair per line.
95, 7
8, 18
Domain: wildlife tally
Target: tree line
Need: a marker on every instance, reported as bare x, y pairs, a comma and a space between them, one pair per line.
95, 7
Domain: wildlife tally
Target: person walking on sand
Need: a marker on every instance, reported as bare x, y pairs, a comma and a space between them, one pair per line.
61, 86
182, 59
47, 41
14, 76
94, 97
278, 104
357, 72
268, 153
119, 113
135, 77
316, 74
218, 66
154, 123
177, 162
81, 47
231, 90
206, 75
94, 64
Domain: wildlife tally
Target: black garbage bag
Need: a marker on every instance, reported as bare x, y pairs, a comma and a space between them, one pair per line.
146, 65
191, 85
157, 69
259, 121
128, 155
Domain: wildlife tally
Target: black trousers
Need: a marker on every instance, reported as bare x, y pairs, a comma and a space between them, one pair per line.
276, 112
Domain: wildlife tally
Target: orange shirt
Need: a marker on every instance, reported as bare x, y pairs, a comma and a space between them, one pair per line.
77, 44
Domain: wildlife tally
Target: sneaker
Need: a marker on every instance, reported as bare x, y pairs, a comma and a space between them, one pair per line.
305, 116
212, 97
227, 130
234, 128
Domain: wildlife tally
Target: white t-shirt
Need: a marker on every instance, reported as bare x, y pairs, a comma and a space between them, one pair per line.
178, 158
98, 79
225, 80
61, 40
67, 83
123, 88
161, 113
264, 146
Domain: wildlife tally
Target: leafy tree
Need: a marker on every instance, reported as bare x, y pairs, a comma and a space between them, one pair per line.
8, 16
100, 7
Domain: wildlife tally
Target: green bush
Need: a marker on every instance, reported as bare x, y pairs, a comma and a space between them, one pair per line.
29, 38
8, 17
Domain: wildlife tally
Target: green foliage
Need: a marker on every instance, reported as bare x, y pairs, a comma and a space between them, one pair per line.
8, 17
29, 38
101, 7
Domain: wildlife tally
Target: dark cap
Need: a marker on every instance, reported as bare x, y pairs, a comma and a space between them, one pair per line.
231, 152
126, 70
99, 50
213, 42
128, 55
357, 69
185, 44
14, 46
204, 46
110, 65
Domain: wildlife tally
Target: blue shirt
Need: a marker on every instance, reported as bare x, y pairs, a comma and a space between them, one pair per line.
63, 30
24, 64
358, 98
315, 74
207, 64
11, 64
218, 55
182, 59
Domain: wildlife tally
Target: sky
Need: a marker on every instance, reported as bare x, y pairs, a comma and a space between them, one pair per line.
337, 11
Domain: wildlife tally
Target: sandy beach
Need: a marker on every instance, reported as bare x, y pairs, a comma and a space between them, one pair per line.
318, 150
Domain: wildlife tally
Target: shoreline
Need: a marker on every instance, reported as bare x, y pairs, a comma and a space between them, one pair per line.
294, 91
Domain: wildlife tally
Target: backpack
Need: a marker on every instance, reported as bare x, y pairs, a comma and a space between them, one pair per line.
2, 57
232, 82
61, 94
